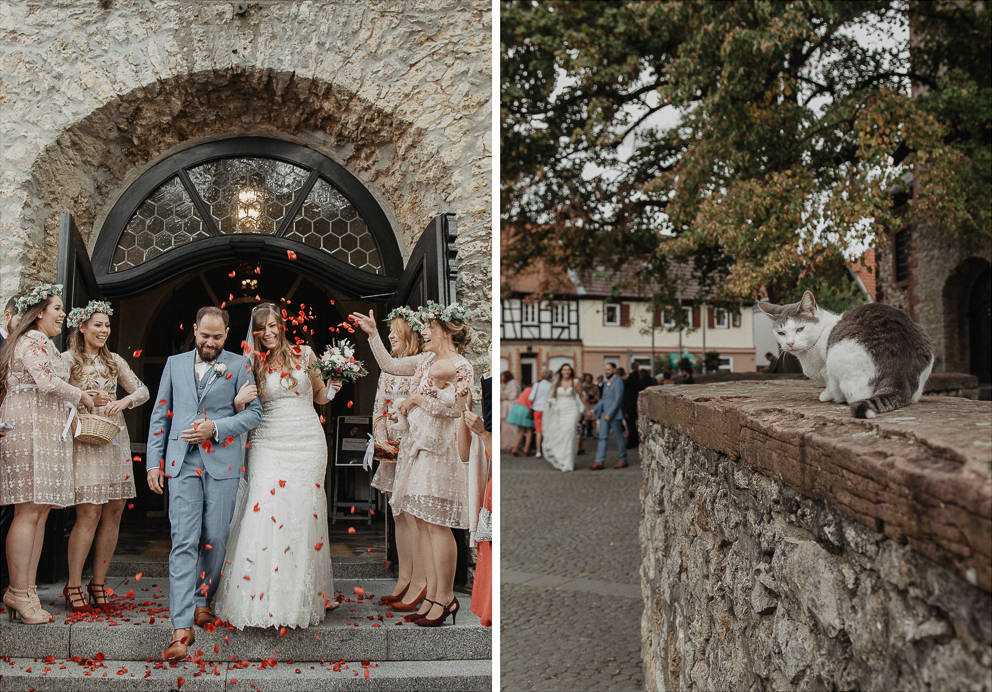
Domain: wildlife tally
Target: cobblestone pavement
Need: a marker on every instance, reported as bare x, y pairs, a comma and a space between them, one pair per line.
571, 605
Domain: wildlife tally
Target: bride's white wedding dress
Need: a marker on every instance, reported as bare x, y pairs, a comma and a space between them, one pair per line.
561, 422
277, 571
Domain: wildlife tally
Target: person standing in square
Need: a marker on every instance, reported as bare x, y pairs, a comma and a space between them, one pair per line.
609, 411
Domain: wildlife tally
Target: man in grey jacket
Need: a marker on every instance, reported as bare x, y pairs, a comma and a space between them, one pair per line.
609, 410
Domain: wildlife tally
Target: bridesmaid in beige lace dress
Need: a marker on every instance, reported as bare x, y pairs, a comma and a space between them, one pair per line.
433, 485
36, 456
102, 473
411, 583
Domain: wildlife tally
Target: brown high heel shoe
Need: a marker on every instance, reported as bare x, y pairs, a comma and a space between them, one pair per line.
413, 617
386, 600
76, 601
404, 607
99, 595
27, 607
447, 610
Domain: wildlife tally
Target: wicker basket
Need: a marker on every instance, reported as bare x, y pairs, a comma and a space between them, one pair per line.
382, 452
97, 430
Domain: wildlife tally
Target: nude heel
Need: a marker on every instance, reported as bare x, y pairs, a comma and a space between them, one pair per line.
33, 591
26, 605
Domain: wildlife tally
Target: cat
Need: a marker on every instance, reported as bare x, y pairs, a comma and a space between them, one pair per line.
873, 357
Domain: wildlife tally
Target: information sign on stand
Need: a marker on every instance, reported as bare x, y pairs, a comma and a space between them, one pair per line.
351, 437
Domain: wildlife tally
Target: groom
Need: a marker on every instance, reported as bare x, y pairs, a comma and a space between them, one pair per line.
193, 441
609, 410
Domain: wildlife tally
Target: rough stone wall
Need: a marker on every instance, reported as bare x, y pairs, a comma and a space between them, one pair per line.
942, 273
396, 91
754, 580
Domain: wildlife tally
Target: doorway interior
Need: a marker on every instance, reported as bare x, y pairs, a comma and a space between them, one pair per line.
150, 328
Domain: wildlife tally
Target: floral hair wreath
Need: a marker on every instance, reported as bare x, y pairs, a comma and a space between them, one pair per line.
443, 313
38, 294
80, 315
411, 316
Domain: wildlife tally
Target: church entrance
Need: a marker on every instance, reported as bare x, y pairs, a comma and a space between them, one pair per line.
159, 323
232, 224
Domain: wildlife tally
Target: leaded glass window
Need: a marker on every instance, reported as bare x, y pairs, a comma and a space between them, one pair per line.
248, 195
165, 220
329, 222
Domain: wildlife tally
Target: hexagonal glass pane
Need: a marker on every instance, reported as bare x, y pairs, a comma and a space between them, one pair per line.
249, 194
148, 235
327, 220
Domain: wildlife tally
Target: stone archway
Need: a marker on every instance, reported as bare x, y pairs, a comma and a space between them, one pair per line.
91, 163
956, 297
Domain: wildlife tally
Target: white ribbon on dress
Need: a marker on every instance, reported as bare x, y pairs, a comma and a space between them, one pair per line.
369, 451
73, 413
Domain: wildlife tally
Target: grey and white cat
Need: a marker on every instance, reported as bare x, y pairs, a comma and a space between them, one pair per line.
873, 357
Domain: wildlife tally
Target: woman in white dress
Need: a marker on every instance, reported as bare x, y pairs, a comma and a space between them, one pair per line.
277, 570
561, 419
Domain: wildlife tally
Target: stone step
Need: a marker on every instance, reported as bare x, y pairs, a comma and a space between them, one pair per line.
110, 676
140, 630
158, 567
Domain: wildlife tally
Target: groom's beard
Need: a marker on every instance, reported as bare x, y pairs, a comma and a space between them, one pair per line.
207, 356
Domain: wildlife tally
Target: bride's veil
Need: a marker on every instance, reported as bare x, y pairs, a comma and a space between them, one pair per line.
249, 347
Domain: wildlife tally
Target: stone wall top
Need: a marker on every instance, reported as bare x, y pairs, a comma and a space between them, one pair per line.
920, 475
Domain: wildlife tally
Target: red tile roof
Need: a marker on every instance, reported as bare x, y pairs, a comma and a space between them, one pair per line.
869, 279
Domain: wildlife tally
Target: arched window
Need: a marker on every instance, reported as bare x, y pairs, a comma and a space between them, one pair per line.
246, 198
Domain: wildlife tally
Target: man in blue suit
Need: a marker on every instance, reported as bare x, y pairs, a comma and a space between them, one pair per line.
193, 441
609, 410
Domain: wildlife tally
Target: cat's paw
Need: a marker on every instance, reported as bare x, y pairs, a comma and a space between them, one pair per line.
825, 396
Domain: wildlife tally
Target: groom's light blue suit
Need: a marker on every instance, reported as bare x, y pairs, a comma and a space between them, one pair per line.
610, 404
203, 485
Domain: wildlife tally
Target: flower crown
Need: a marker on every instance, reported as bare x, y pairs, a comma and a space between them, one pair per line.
38, 294
411, 316
79, 315
443, 313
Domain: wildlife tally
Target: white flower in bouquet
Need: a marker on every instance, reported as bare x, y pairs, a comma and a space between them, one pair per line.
338, 362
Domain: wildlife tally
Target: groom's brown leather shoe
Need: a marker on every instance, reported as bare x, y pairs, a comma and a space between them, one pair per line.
179, 646
203, 616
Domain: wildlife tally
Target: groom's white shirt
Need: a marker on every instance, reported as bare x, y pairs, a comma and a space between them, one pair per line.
201, 368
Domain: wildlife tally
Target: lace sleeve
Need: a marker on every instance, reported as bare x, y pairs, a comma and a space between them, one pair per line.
380, 398
463, 385
37, 353
394, 366
136, 390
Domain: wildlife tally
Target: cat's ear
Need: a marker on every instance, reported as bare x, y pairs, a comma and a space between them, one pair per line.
770, 309
808, 304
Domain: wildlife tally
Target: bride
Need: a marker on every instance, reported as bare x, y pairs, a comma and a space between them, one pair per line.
277, 571
561, 419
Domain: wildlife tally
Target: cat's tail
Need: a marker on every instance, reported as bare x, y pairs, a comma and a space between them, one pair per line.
888, 397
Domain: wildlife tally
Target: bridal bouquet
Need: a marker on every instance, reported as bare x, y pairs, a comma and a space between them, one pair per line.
338, 362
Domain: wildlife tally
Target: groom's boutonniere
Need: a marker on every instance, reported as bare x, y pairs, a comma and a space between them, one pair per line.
219, 369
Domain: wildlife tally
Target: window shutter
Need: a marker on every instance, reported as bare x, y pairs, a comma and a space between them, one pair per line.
657, 318
710, 317
624, 314
695, 316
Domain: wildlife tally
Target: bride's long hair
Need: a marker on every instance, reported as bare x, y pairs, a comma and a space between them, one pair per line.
558, 378
282, 359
